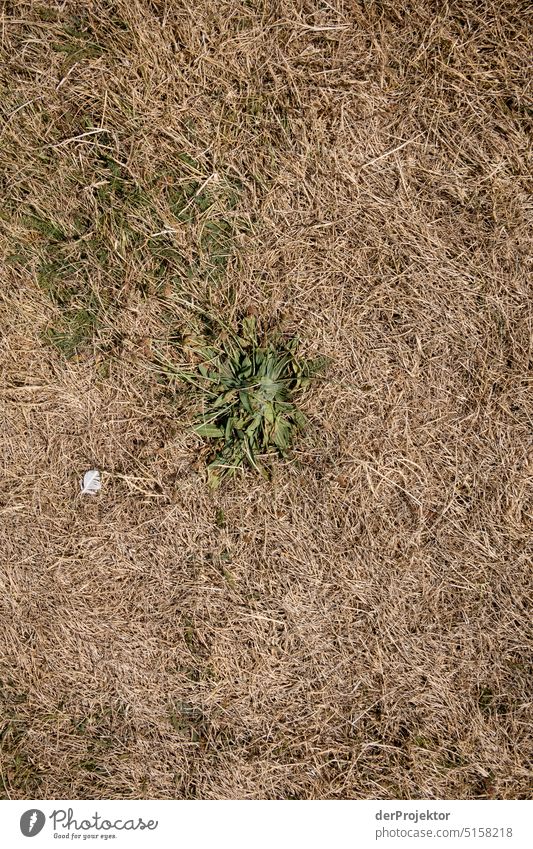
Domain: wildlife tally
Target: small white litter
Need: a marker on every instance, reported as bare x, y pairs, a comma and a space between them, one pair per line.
91, 482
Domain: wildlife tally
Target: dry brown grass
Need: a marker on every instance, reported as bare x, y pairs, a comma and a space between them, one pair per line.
359, 628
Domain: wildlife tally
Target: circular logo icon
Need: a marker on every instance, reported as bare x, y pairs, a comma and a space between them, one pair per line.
32, 822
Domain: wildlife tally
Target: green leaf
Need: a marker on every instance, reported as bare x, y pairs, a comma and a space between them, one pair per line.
228, 429
248, 450
249, 329
268, 413
299, 419
225, 398
208, 353
255, 423
213, 477
270, 388
209, 430
246, 367
281, 433
262, 470
245, 401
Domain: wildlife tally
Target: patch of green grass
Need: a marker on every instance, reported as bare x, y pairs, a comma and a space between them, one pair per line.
247, 387
100, 733
188, 720
78, 41
53, 279
211, 207
122, 221
20, 258
188, 199
72, 331
119, 186
20, 777
492, 703
47, 228
216, 246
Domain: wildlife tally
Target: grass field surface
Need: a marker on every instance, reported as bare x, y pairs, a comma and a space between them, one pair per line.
356, 175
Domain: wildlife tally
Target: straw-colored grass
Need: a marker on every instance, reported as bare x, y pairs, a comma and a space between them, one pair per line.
358, 175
